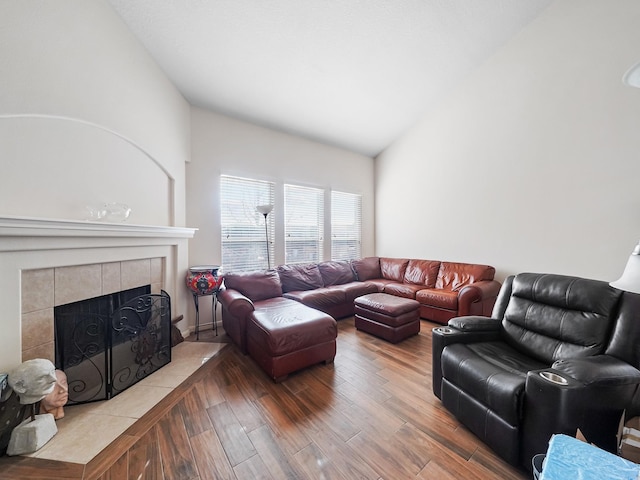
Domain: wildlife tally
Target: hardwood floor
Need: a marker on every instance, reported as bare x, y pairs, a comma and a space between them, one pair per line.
370, 415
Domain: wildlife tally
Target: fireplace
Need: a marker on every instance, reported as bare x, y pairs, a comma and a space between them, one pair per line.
49, 262
108, 343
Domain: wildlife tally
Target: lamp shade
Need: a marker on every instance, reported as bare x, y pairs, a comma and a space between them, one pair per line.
630, 279
632, 76
264, 209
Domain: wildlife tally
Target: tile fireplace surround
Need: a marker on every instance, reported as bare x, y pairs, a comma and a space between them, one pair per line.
45, 288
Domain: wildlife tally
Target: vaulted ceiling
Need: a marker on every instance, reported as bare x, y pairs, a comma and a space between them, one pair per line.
350, 73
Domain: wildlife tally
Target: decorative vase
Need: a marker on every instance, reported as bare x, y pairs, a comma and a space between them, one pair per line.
204, 279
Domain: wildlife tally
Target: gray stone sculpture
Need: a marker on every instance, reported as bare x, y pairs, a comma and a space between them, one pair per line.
32, 381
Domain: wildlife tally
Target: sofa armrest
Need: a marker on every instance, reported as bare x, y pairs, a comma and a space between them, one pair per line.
446, 335
235, 303
477, 292
236, 307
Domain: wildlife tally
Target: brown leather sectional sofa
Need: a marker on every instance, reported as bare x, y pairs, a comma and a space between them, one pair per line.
444, 289
277, 306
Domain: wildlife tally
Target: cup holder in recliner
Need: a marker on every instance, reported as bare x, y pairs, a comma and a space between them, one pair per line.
554, 378
444, 330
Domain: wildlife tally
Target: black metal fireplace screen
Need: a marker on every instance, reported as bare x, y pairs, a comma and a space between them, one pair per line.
107, 344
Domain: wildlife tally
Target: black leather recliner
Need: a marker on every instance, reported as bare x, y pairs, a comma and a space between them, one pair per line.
559, 353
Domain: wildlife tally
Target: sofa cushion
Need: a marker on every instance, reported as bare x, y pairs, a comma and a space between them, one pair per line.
492, 373
321, 298
380, 283
255, 285
283, 326
393, 268
353, 290
300, 277
336, 273
367, 268
405, 290
455, 276
422, 272
437, 297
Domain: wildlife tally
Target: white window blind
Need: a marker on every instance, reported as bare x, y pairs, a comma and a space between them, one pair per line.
346, 226
244, 240
304, 224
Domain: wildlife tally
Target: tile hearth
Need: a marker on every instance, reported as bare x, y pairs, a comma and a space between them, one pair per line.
87, 429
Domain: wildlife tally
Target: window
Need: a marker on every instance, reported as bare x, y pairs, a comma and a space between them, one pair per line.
304, 224
243, 237
244, 241
346, 221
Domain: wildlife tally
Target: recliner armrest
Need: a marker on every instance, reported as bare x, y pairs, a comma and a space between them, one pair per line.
472, 329
473, 323
587, 393
551, 406
599, 370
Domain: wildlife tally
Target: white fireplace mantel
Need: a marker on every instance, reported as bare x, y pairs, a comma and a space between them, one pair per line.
44, 227
35, 243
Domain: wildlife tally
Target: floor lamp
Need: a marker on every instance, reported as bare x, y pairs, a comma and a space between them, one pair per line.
266, 210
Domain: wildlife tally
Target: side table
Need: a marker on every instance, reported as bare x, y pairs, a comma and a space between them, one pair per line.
201, 281
214, 305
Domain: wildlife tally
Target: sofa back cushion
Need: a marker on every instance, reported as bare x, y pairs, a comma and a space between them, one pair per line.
255, 286
304, 276
625, 337
367, 268
422, 272
454, 276
551, 317
393, 268
336, 273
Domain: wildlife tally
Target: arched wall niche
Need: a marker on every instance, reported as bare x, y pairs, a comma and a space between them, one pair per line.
56, 167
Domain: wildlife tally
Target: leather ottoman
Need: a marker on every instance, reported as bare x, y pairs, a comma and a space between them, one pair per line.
284, 336
387, 316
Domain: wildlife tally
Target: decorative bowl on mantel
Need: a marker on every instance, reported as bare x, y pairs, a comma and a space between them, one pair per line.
110, 212
116, 212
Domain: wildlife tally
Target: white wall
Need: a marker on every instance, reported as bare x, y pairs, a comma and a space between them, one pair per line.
77, 59
221, 145
96, 117
533, 163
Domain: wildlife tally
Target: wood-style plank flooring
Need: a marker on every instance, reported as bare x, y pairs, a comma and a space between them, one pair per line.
369, 415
